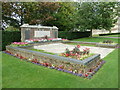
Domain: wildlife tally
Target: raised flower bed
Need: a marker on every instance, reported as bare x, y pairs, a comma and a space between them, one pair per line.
44, 40
107, 44
85, 68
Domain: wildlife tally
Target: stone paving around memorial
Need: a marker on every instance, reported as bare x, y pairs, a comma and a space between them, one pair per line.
60, 48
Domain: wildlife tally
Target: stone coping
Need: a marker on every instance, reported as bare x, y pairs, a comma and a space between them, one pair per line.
94, 43
46, 41
70, 60
37, 26
107, 44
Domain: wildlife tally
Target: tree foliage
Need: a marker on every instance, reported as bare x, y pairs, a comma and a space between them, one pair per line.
17, 13
67, 16
97, 15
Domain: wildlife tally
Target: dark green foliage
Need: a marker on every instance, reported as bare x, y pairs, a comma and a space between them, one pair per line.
76, 50
10, 36
97, 15
65, 18
108, 41
73, 35
67, 51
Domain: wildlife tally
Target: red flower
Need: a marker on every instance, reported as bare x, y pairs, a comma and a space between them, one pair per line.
21, 57
73, 54
66, 55
86, 75
46, 64
78, 46
90, 70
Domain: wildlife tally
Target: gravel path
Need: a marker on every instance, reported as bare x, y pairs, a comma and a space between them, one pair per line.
60, 48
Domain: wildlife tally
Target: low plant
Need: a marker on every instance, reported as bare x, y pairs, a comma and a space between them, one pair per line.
108, 41
62, 67
44, 40
15, 44
76, 53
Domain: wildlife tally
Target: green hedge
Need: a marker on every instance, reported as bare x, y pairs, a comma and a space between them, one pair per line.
10, 36
73, 35
109, 34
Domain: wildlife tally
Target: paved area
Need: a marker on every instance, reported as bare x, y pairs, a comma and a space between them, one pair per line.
60, 48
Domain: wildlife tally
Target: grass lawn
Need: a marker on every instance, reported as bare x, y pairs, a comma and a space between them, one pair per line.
21, 74
43, 51
92, 39
0, 70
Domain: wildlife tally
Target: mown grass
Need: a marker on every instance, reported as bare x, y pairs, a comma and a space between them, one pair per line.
93, 39
43, 51
0, 70
21, 74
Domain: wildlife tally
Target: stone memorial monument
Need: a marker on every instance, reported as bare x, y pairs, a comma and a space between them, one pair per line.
37, 32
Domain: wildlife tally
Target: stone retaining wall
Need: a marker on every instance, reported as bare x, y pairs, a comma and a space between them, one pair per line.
107, 45
68, 63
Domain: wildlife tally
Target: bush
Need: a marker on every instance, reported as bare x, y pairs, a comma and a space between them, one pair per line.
11, 28
73, 35
10, 36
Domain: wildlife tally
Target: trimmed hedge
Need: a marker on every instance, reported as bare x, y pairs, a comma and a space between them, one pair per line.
73, 35
10, 36
108, 34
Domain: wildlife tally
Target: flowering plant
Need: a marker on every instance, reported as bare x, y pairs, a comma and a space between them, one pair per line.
64, 39
62, 67
76, 53
19, 44
44, 40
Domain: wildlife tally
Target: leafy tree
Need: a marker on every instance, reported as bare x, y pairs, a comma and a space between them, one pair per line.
60, 14
96, 15
65, 17
17, 13
7, 15
40, 12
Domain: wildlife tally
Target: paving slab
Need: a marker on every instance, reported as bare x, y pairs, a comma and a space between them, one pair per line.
60, 48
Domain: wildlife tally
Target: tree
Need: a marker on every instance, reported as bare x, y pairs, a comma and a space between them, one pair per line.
65, 17
96, 15
8, 17
60, 14
17, 13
